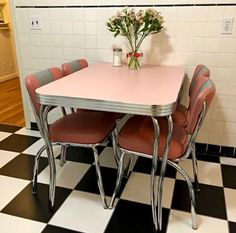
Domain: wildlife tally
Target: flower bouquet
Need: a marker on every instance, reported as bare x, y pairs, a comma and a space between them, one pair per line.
135, 26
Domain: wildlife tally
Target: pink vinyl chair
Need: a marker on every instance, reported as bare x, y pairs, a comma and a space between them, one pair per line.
147, 137
182, 113
180, 116
73, 66
76, 65
87, 129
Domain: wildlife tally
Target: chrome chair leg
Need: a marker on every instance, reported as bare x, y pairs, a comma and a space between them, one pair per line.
118, 180
114, 146
35, 171
153, 190
63, 155
195, 168
52, 182
191, 193
99, 178
163, 168
128, 168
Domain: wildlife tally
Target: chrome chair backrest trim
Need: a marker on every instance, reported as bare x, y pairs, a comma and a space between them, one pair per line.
199, 71
74, 66
44, 77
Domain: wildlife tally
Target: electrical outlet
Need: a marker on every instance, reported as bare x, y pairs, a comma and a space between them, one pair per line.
227, 25
35, 23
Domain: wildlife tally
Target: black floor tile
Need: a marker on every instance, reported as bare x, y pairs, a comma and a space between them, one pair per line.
130, 217
22, 167
232, 227
209, 201
89, 182
35, 207
228, 175
17, 143
81, 154
144, 165
9, 128
55, 229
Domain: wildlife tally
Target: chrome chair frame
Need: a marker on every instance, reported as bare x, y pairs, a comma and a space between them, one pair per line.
48, 146
156, 193
43, 126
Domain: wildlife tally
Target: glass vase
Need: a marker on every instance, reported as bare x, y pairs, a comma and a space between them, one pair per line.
134, 58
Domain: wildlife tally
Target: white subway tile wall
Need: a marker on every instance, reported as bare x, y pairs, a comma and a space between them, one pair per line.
192, 35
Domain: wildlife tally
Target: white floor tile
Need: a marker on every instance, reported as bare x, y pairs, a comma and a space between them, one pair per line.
6, 156
67, 176
33, 149
107, 158
25, 131
138, 189
209, 173
12, 187
230, 199
228, 161
11, 223
82, 212
181, 222
4, 135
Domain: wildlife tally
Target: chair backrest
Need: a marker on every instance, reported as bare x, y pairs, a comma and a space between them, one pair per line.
204, 96
197, 86
73, 66
38, 79
200, 70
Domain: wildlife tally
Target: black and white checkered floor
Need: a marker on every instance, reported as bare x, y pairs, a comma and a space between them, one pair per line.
78, 207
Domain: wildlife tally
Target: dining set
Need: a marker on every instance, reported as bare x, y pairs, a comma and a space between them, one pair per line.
94, 98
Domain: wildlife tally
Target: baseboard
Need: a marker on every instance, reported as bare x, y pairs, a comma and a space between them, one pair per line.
33, 126
8, 77
215, 150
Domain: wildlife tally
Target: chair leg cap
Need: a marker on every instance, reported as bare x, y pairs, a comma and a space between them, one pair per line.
50, 206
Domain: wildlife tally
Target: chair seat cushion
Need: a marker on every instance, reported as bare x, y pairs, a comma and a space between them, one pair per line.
138, 135
180, 115
117, 115
85, 128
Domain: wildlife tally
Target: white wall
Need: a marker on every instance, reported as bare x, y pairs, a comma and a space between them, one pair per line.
191, 36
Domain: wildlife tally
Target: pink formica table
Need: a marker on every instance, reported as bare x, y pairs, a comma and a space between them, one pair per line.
152, 90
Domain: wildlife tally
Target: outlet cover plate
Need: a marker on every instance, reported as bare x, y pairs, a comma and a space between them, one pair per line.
227, 25
35, 23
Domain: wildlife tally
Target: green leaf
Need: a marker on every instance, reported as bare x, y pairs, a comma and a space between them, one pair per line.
117, 33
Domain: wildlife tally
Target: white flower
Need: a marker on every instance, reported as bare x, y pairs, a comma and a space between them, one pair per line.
135, 26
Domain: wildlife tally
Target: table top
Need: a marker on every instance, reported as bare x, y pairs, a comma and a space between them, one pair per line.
152, 90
